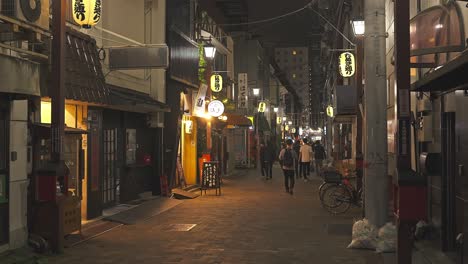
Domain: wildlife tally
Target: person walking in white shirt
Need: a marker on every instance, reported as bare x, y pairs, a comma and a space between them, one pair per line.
305, 157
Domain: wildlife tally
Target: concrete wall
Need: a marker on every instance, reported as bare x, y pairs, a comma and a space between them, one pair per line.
18, 174
130, 23
390, 44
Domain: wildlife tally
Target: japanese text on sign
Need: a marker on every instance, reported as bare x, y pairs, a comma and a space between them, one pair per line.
216, 83
243, 95
347, 64
215, 108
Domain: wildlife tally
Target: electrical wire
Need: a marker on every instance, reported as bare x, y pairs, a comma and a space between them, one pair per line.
333, 26
269, 19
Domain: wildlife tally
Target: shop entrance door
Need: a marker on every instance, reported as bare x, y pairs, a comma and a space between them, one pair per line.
94, 198
110, 183
4, 215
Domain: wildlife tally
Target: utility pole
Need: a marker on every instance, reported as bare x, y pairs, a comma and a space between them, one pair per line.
359, 116
376, 175
405, 177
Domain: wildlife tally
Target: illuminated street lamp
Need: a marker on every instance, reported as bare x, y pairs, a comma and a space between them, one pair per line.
210, 50
358, 26
275, 109
256, 91
285, 118
290, 122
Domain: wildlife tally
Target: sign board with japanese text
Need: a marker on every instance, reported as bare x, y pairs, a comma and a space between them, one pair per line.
199, 106
215, 108
86, 13
347, 64
216, 81
210, 177
243, 90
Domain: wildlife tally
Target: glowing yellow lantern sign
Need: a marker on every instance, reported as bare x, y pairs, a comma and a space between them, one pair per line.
347, 64
278, 120
216, 83
86, 13
330, 112
261, 107
251, 118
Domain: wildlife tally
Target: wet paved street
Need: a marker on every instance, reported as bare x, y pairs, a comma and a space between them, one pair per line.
254, 221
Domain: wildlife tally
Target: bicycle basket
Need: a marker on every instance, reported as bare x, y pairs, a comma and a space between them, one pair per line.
332, 176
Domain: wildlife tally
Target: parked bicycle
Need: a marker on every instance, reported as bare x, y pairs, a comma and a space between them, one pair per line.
338, 198
332, 177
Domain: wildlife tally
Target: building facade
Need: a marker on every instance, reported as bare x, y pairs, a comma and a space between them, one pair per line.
294, 61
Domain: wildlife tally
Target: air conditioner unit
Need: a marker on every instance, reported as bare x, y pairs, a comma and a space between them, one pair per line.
34, 12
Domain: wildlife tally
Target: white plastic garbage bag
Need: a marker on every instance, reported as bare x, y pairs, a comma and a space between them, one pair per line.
387, 238
364, 235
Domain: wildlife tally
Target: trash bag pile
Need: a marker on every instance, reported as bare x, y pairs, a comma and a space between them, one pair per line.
364, 235
387, 238
367, 236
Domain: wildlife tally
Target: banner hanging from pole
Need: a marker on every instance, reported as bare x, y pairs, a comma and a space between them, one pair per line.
199, 108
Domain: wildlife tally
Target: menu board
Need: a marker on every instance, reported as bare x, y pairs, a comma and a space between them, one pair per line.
210, 175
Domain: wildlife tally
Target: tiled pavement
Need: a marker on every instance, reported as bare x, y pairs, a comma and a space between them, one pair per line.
254, 221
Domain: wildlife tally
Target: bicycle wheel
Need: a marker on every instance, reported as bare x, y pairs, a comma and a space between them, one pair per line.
337, 199
323, 187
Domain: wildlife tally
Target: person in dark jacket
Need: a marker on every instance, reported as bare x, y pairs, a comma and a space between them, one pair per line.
319, 155
262, 158
287, 158
296, 148
267, 158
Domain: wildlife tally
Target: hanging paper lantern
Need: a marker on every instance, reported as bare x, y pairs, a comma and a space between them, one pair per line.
216, 83
261, 107
347, 64
86, 13
330, 111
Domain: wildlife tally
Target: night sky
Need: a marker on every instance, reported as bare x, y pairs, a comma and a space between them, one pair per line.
289, 31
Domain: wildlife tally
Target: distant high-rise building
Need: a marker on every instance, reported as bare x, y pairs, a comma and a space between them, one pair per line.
294, 62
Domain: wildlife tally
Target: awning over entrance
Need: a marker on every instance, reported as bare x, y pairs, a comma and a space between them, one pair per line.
84, 79
133, 101
45, 129
451, 76
237, 120
344, 119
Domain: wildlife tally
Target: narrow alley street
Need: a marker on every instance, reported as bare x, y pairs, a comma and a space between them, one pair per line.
254, 221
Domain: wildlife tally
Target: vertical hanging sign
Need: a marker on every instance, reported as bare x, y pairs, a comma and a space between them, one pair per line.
216, 82
199, 107
347, 64
243, 90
